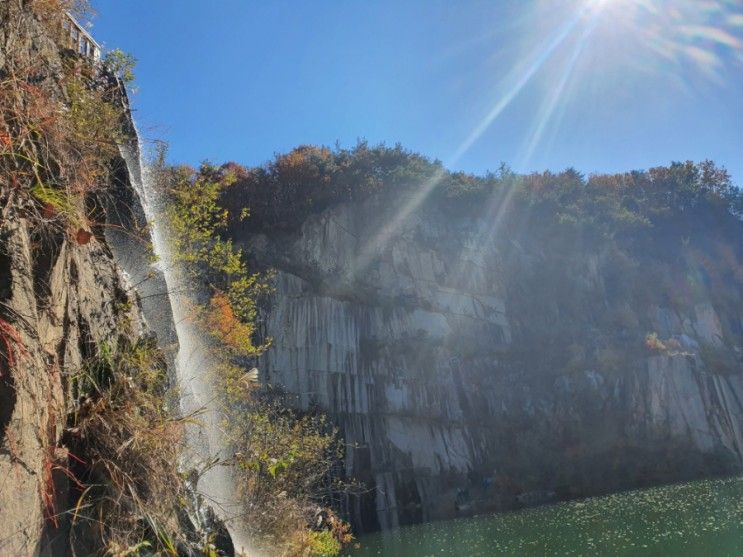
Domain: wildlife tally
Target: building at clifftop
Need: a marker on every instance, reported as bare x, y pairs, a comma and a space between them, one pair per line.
80, 40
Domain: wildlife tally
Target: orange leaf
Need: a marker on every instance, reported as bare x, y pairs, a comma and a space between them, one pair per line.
83, 236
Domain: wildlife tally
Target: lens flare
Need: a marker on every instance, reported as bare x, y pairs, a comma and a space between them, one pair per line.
584, 51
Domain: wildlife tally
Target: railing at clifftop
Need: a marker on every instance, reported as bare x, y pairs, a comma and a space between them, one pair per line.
79, 40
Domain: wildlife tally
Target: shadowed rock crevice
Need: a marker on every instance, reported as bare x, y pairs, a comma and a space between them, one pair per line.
46, 249
7, 393
7, 386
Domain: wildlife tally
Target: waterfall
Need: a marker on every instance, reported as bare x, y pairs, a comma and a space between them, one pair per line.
206, 442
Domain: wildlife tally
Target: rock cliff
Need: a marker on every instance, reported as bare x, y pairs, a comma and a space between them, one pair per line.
474, 366
75, 289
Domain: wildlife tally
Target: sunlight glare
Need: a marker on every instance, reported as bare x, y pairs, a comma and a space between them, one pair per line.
586, 49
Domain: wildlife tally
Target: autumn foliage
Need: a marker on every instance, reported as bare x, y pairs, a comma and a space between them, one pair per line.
224, 324
286, 460
282, 193
58, 135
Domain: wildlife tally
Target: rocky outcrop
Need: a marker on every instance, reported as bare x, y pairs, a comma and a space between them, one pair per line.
472, 368
64, 302
70, 292
61, 297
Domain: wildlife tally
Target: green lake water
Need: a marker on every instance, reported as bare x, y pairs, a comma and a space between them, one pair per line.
703, 518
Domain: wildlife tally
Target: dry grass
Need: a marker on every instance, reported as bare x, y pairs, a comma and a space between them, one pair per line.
127, 446
11, 344
57, 134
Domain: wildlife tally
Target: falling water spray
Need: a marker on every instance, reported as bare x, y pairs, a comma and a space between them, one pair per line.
206, 442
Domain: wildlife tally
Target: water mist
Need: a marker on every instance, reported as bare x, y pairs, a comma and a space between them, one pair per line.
206, 442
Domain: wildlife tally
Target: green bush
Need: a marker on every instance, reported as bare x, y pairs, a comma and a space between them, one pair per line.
121, 64
324, 544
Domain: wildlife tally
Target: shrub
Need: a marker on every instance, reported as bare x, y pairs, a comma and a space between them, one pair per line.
196, 223
323, 544
653, 343
222, 323
308, 179
285, 191
121, 64
288, 465
287, 461
57, 139
125, 445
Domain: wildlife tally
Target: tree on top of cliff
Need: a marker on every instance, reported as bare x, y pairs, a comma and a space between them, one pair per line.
308, 179
284, 192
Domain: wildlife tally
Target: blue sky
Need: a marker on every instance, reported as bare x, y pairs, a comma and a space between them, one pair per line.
600, 85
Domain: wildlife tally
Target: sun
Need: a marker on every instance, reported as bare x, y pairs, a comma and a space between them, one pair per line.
616, 7
600, 4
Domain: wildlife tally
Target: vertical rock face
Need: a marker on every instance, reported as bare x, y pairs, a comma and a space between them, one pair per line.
63, 303
63, 296
465, 375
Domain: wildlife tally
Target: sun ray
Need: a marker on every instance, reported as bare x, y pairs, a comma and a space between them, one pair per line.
371, 248
651, 39
493, 216
548, 107
523, 77
520, 77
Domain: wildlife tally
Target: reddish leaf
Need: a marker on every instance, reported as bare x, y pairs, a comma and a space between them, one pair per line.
48, 210
83, 236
